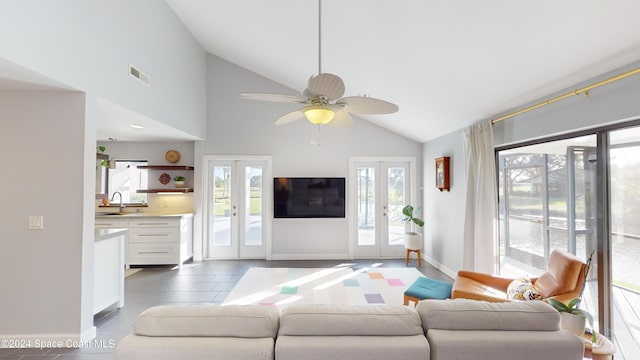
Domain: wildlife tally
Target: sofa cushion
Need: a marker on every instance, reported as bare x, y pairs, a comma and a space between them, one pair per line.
517, 345
242, 321
464, 314
345, 320
210, 348
413, 347
522, 289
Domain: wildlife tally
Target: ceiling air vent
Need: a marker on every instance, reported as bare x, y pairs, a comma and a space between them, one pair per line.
136, 73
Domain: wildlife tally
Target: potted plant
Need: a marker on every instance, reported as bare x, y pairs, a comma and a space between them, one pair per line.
412, 239
572, 318
179, 181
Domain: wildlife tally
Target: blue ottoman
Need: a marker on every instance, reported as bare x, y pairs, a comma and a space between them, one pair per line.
425, 288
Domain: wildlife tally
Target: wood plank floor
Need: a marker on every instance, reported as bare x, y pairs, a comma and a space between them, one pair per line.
626, 319
195, 283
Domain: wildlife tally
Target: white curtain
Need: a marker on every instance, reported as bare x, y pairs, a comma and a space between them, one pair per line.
480, 244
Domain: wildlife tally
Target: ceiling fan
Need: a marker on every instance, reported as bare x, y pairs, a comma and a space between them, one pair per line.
322, 99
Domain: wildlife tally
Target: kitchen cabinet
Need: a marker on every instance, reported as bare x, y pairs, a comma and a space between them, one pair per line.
154, 240
108, 268
111, 222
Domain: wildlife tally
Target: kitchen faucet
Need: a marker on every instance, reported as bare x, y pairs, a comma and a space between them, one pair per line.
114, 196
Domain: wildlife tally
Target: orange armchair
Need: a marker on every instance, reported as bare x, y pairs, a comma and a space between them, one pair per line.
563, 281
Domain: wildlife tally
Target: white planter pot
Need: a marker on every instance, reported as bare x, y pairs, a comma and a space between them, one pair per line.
573, 323
413, 241
179, 184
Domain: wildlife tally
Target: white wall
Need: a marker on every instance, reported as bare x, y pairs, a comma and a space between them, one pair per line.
42, 140
89, 45
611, 103
444, 212
243, 127
83, 45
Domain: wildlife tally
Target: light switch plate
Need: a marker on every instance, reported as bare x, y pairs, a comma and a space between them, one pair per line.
36, 222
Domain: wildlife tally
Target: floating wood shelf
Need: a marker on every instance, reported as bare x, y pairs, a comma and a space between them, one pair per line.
165, 190
166, 167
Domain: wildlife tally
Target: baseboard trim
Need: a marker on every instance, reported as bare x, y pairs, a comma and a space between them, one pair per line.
89, 334
450, 273
309, 257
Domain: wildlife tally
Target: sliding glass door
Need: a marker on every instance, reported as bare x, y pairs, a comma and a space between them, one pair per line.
624, 164
547, 198
582, 195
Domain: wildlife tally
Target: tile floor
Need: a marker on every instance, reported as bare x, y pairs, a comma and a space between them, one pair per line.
207, 281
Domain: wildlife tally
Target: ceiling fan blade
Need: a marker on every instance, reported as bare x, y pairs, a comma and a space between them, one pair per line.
342, 119
272, 97
290, 117
328, 85
367, 105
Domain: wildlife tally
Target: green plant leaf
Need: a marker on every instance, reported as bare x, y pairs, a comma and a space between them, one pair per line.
418, 222
574, 303
559, 306
408, 211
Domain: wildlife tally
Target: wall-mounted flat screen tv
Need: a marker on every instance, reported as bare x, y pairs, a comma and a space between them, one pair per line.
302, 197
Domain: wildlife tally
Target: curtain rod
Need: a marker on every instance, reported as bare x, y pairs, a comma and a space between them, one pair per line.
583, 90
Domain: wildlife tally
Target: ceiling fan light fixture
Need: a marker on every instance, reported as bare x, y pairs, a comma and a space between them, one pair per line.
318, 114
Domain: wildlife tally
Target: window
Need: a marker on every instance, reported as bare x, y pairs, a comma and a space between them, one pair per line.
126, 179
579, 194
547, 201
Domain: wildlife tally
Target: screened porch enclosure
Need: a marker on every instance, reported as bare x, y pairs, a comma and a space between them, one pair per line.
548, 200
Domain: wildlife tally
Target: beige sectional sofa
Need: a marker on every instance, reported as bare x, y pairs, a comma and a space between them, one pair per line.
367, 332
470, 329
202, 332
434, 330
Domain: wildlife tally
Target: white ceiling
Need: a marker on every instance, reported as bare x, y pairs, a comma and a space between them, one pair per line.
446, 64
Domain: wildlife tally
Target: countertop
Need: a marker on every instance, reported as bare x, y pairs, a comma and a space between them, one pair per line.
104, 234
143, 215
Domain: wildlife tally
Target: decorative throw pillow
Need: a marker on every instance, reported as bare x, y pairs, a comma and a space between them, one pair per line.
522, 289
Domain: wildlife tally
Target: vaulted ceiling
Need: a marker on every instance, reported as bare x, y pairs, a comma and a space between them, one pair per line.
446, 64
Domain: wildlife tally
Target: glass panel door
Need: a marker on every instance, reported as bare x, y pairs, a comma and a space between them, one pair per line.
625, 240
547, 201
237, 209
253, 211
396, 191
222, 212
380, 193
366, 205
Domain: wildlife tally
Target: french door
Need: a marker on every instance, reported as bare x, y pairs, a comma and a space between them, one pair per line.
238, 194
379, 191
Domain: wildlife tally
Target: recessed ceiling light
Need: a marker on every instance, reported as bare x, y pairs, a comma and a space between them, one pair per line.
136, 126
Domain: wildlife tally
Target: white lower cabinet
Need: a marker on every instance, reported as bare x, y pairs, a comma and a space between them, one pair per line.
156, 241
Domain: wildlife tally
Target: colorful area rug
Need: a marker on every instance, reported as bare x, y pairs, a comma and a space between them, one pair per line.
280, 287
